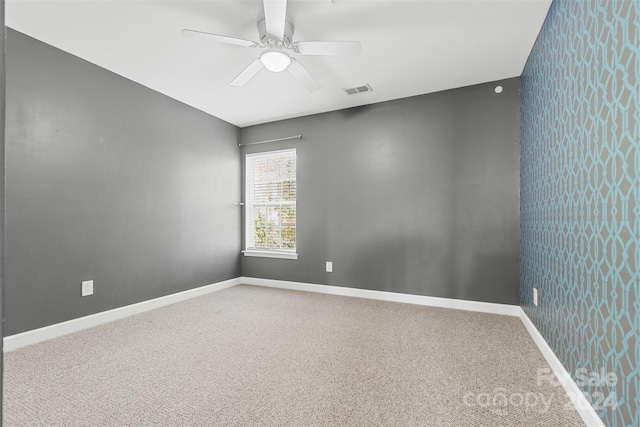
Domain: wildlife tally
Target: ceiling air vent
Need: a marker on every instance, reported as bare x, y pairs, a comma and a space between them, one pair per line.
358, 89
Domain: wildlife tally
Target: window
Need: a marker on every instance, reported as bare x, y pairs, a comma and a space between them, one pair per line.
270, 201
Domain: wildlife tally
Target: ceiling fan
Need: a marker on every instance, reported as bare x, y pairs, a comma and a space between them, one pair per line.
276, 38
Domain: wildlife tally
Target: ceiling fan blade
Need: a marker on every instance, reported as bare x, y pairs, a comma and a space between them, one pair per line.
248, 73
327, 48
303, 76
218, 38
275, 16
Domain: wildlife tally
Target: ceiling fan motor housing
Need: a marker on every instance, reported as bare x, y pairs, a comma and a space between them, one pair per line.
273, 42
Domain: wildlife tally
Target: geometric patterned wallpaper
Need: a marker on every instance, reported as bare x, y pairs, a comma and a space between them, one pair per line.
580, 197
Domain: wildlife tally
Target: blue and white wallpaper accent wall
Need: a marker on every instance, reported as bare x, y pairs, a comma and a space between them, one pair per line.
580, 197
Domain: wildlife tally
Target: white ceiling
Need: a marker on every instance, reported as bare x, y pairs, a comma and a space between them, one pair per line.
408, 48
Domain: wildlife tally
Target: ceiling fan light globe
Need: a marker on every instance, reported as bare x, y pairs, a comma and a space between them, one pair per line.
275, 60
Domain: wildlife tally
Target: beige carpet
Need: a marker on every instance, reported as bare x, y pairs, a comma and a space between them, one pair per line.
250, 356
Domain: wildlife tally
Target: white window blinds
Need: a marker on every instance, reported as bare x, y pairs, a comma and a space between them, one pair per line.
270, 201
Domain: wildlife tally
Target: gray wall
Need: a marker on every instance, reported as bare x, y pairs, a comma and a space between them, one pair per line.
2, 113
110, 181
418, 195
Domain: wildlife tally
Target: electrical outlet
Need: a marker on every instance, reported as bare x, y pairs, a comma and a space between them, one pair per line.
87, 288
329, 267
535, 296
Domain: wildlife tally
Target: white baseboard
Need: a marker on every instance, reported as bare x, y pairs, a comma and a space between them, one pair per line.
484, 307
34, 336
582, 405
13, 342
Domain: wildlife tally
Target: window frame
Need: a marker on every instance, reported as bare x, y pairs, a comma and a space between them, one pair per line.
249, 205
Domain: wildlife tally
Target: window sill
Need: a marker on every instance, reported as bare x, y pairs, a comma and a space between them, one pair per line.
271, 254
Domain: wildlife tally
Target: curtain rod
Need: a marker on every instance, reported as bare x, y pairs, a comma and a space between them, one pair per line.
271, 140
